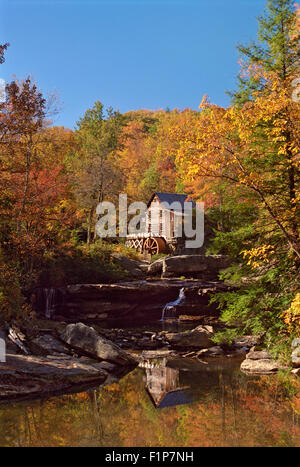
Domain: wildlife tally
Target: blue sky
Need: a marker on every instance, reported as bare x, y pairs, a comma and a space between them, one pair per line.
129, 54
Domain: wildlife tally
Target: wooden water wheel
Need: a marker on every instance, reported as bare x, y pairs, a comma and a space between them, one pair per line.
155, 245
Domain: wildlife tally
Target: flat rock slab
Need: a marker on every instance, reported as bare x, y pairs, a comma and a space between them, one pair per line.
26, 376
133, 300
263, 366
259, 355
152, 287
155, 268
194, 265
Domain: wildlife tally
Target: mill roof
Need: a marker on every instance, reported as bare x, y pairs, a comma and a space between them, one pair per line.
170, 198
179, 396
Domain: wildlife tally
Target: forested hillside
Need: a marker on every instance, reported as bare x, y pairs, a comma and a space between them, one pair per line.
242, 161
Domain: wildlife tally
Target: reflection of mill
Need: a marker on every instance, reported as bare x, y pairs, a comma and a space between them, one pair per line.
163, 385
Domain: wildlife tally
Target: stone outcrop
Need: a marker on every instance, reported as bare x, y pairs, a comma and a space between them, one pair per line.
142, 299
155, 268
200, 337
195, 266
259, 355
23, 376
87, 340
296, 353
135, 269
261, 363
80, 359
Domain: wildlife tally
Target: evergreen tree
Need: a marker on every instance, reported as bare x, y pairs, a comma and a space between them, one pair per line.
276, 50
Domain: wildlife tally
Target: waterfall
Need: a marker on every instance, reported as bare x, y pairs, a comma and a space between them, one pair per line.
50, 301
171, 306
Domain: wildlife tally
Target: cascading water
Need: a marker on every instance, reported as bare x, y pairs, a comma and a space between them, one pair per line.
170, 308
50, 301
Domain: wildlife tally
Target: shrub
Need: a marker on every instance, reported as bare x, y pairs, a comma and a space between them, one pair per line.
12, 302
291, 317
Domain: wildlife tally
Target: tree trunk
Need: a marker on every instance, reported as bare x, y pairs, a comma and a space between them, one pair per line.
89, 230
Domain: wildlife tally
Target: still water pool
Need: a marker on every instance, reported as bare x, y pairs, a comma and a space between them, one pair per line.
176, 402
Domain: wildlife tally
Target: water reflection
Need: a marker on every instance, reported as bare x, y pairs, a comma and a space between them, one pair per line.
163, 385
177, 402
172, 382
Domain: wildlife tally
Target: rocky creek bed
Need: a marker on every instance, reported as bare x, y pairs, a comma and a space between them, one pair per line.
79, 340
69, 358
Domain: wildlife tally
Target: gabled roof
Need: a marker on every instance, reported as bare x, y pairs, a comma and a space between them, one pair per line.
170, 198
179, 396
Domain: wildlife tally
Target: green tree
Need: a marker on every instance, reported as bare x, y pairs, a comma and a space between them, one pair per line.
151, 181
262, 231
94, 167
276, 50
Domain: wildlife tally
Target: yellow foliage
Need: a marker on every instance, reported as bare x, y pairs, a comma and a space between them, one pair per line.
259, 255
291, 316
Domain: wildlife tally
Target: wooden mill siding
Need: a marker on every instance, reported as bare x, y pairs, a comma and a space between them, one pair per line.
161, 228
160, 222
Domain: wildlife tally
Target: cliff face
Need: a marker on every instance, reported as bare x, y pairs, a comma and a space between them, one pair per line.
138, 300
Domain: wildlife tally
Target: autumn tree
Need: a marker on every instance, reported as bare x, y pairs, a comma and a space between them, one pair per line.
252, 149
136, 156
93, 168
148, 155
34, 214
277, 49
277, 52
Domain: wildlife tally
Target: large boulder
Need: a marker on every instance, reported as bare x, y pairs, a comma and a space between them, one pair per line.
199, 338
155, 268
259, 355
197, 266
296, 357
86, 339
296, 352
135, 269
260, 363
296, 343
262, 366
